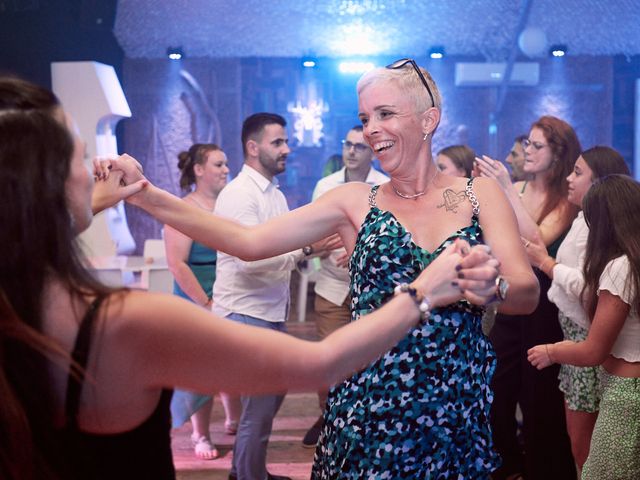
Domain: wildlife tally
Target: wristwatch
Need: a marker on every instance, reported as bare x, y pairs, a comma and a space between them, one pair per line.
307, 250
502, 287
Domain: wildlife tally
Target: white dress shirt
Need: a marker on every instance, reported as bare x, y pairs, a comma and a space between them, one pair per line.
568, 281
332, 281
259, 289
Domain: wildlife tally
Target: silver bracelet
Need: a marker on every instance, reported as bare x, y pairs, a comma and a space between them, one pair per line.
421, 301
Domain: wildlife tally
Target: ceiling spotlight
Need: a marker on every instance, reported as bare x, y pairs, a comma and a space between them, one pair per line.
436, 52
309, 62
175, 53
558, 50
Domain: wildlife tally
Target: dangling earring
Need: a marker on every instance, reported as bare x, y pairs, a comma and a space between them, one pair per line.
426, 135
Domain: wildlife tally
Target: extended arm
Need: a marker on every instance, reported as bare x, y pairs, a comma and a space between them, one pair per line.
195, 353
282, 234
611, 313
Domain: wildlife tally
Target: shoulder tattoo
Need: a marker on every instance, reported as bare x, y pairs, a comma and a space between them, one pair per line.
452, 200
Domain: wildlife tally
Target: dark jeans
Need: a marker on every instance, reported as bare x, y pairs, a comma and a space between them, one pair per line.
547, 448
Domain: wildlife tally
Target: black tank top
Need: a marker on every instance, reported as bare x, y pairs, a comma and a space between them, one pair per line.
144, 452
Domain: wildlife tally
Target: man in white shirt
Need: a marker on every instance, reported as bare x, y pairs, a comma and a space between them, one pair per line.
256, 293
332, 284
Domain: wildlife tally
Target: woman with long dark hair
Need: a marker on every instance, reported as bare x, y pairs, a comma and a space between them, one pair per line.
612, 300
580, 385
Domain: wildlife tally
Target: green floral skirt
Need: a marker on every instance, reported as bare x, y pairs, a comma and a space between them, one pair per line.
580, 385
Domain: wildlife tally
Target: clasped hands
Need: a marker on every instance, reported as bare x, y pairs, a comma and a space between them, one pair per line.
117, 178
460, 272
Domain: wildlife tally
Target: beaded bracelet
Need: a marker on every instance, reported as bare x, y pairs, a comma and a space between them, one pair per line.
421, 301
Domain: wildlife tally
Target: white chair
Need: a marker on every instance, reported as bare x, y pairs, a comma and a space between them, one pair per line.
112, 277
156, 276
107, 269
153, 248
160, 280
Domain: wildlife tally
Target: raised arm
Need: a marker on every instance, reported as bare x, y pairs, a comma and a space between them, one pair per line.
501, 233
550, 228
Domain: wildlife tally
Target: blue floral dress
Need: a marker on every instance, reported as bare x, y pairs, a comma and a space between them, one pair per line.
422, 410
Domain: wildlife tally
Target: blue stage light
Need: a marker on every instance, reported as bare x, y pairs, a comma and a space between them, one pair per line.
558, 50
436, 52
309, 62
175, 53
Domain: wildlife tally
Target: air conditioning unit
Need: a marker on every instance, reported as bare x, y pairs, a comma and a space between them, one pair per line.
492, 74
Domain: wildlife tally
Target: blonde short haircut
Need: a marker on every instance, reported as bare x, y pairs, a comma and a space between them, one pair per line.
408, 81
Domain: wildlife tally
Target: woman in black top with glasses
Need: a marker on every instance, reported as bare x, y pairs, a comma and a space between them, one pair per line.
544, 217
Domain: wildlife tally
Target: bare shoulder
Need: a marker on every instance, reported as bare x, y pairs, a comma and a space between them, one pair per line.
348, 194
487, 188
132, 310
353, 188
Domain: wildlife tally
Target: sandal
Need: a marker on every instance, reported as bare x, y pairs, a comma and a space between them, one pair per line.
204, 448
230, 427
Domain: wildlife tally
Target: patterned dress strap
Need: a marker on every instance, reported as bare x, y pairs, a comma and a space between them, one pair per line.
372, 196
472, 197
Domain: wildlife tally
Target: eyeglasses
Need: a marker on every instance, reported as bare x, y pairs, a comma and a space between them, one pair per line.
401, 63
359, 147
537, 145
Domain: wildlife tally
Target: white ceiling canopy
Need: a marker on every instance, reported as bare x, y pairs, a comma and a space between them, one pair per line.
338, 28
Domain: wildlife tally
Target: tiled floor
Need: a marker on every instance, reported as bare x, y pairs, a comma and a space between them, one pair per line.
285, 455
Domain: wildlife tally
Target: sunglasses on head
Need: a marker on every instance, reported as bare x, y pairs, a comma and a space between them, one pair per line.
402, 62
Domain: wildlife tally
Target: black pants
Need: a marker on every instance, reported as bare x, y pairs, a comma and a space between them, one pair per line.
547, 448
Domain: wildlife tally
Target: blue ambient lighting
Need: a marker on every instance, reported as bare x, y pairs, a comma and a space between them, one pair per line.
355, 67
